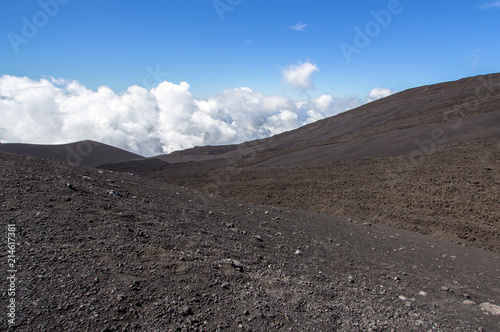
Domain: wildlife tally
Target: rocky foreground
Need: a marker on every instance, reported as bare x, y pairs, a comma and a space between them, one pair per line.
103, 251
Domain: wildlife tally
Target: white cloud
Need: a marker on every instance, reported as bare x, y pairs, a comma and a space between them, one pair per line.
323, 102
149, 122
284, 121
495, 4
301, 104
326, 105
378, 93
298, 27
300, 75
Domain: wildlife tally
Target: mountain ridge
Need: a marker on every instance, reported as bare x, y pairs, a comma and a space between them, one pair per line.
86, 153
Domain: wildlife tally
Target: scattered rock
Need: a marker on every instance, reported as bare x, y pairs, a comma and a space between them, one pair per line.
490, 308
114, 193
234, 263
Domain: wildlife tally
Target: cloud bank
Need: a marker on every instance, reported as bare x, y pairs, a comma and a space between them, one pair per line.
149, 122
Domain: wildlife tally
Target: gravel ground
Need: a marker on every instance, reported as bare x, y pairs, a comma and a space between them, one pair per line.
103, 251
451, 193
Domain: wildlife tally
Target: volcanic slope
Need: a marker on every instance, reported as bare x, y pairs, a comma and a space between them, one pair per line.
426, 159
98, 250
451, 112
87, 153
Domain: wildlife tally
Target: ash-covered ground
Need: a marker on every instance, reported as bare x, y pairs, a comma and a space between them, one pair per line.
103, 251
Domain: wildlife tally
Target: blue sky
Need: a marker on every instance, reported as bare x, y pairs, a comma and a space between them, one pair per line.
249, 43
113, 42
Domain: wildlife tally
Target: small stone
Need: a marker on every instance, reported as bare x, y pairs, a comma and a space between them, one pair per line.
259, 238
490, 308
234, 263
422, 293
444, 288
298, 252
187, 311
403, 298
469, 302
114, 193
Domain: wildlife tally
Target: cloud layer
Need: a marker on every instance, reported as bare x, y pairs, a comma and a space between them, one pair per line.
149, 122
